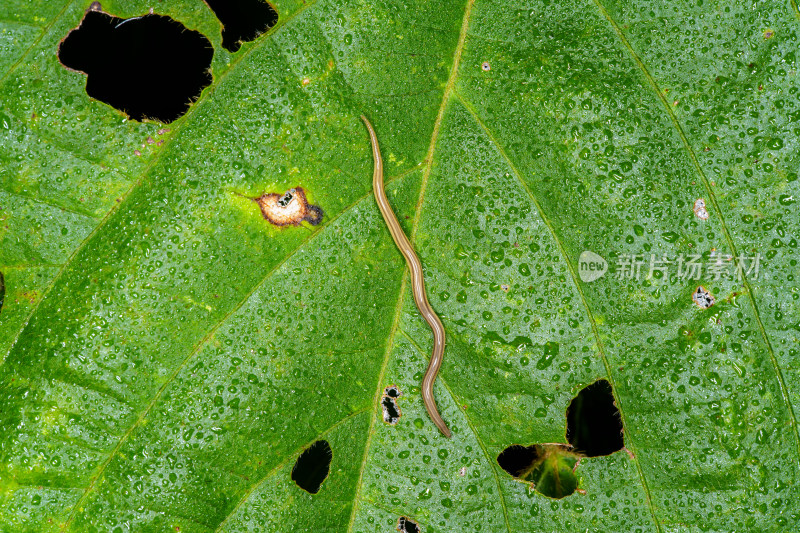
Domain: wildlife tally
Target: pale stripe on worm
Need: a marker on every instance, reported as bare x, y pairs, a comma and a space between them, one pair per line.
417, 284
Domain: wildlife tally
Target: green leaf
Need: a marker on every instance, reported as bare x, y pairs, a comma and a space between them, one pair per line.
168, 354
553, 474
549, 468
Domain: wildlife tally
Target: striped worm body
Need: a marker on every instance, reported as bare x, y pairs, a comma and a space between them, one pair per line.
417, 284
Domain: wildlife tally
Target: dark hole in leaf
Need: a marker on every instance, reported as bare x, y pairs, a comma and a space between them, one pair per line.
287, 197
406, 525
594, 426
312, 466
150, 67
391, 413
517, 459
549, 467
2, 291
242, 20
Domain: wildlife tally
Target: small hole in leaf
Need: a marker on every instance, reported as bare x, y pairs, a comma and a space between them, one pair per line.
149, 67
548, 467
312, 466
700, 209
594, 426
702, 298
391, 411
406, 525
242, 20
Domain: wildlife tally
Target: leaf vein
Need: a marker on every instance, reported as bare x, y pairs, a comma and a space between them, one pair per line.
492, 464
579, 290
197, 349
283, 463
713, 198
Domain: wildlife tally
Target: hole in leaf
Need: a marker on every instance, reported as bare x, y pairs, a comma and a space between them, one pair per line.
149, 67
700, 209
406, 525
548, 467
242, 20
594, 426
391, 411
516, 459
312, 466
702, 298
2, 291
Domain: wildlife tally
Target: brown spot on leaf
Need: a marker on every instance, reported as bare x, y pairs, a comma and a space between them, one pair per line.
290, 208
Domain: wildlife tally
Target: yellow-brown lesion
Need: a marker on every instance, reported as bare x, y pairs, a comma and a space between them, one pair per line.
290, 208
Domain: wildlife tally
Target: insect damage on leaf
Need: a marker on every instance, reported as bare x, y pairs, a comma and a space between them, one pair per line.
594, 426
243, 20
700, 209
391, 411
149, 67
548, 468
290, 208
2, 291
703, 298
312, 466
406, 525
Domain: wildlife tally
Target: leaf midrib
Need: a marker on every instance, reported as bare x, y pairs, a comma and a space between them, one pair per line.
428, 162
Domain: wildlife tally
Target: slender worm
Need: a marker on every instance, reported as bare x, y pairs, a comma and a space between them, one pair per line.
417, 282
